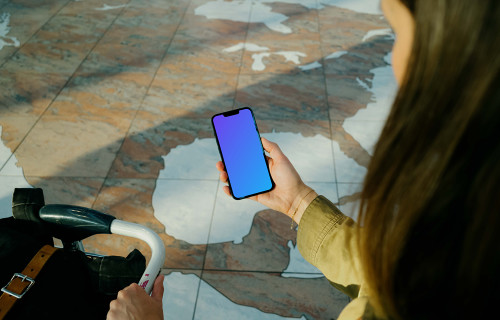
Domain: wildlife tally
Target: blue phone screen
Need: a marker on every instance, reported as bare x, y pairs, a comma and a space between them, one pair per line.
242, 153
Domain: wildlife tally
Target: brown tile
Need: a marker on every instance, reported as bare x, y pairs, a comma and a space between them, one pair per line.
70, 147
51, 50
157, 16
130, 200
27, 94
199, 43
150, 138
346, 96
189, 94
349, 146
360, 58
285, 51
72, 191
217, 33
110, 98
194, 57
302, 22
129, 48
281, 57
290, 97
341, 29
265, 248
305, 127
348, 76
25, 19
15, 128
272, 293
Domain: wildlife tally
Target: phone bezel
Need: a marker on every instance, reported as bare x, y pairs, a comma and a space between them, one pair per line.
228, 114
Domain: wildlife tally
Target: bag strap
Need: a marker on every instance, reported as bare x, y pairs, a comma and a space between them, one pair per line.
22, 282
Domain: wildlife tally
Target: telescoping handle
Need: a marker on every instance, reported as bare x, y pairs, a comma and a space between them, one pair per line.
155, 243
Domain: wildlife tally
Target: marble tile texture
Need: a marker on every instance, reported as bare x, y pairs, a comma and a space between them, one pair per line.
107, 105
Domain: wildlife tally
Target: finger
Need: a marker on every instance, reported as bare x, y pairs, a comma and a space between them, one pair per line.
220, 166
158, 289
226, 190
269, 161
273, 148
223, 177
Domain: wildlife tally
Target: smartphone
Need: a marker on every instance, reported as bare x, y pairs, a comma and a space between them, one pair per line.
242, 153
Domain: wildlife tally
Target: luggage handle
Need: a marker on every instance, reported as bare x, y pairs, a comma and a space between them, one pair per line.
73, 223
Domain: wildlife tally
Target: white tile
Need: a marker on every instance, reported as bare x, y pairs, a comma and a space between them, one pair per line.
211, 304
366, 133
179, 297
185, 208
5, 152
347, 169
194, 161
311, 156
11, 168
232, 218
350, 208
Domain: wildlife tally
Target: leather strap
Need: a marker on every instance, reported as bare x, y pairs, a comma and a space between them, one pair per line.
21, 282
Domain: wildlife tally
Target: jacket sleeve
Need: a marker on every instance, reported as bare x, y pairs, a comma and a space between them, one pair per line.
326, 239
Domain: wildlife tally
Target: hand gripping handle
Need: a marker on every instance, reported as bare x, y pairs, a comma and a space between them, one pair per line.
155, 243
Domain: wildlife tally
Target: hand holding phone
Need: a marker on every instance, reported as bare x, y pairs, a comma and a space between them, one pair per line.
242, 153
289, 190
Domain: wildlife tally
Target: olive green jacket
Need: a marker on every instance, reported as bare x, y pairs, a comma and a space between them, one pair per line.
326, 238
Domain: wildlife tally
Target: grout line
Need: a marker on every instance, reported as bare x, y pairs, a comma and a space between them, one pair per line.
67, 81
242, 56
206, 250
142, 100
58, 92
218, 184
34, 33
327, 104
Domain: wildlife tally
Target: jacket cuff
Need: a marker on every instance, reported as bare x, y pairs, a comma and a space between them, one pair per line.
318, 219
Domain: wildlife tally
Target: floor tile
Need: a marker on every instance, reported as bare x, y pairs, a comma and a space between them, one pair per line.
70, 147
246, 295
311, 156
28, 93
106, 97
246, 235
284, 96
132, 200
269, 50
150, 138
191, 94
21, 22
205, 154
341, 27
349, 199
184, 218
181, 291
72, 191
15, 129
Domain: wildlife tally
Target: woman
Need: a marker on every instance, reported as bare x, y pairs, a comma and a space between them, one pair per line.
427, 244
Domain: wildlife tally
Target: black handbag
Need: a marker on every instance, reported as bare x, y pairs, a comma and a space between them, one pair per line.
71, 284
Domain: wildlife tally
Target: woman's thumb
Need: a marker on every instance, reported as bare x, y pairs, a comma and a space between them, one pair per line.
158, 289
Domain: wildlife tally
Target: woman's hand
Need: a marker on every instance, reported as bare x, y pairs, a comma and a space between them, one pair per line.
290, 194
134, 303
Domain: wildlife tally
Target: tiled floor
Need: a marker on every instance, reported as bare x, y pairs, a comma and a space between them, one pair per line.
107, 104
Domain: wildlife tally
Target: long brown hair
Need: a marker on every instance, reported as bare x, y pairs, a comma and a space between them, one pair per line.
430, 206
